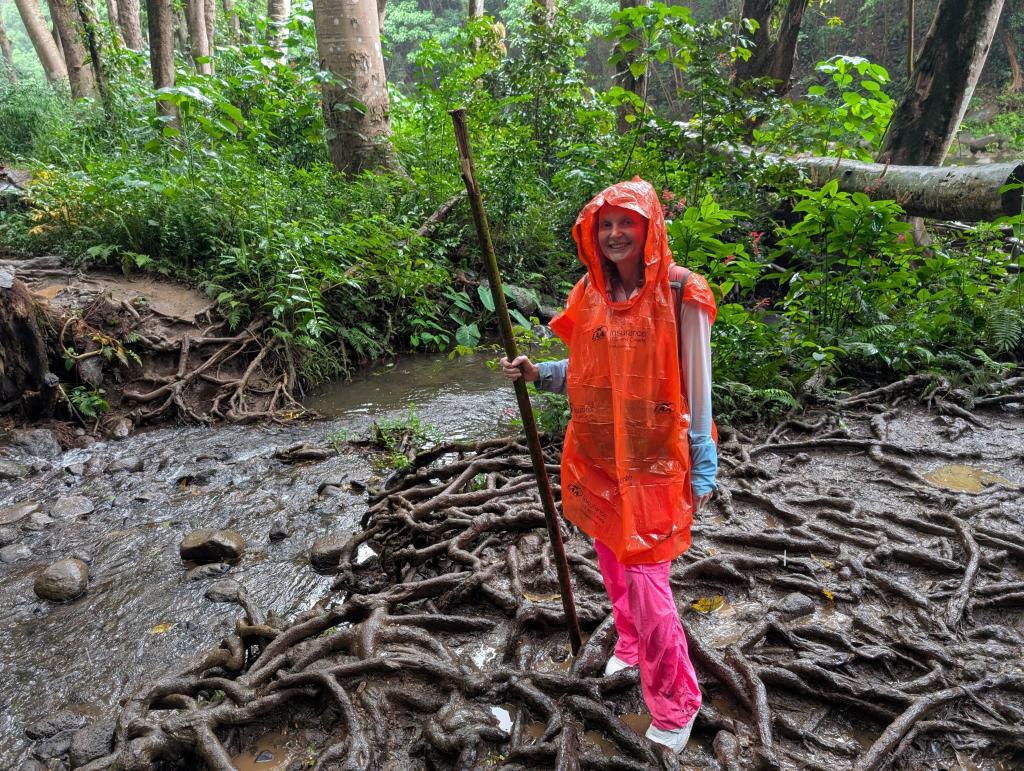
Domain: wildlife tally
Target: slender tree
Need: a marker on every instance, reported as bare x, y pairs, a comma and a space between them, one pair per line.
5, 49
129, 20
234, 25
946, 72
160, 21
624, 76
1016, 83
199, 44
210, 17
90, 25
772, 56
113, 15
71, 29
355, 102
39, 33
475, 9
278, 12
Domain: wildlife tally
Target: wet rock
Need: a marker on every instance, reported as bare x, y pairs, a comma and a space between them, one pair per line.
211, 570
63, 581
90, 371
15, 552
325, 552
356, 486
132, 464
279, 530
37, 441
11, 470
48, 726
207, 545
32, 765
83, 555
120, 428
801, 457
53, 746
71, 507
8, 535
16, 512
330, 491
224, 590
37, 521
795, 604
92, 742
75, 469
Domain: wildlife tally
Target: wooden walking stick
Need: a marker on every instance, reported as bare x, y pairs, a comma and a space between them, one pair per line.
522, 396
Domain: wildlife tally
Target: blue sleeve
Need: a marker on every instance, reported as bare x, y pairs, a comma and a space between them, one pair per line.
552, 376
703, 464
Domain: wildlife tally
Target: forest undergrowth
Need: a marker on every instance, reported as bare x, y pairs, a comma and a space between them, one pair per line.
819, 290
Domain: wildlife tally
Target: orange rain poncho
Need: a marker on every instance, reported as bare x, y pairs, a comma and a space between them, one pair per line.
626, 464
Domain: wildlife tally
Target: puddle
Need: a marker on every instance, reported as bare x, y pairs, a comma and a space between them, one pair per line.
503, 715
639, 722
272, 752
964, 479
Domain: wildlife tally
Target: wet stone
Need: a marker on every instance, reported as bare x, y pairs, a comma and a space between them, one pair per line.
120, 428
212, 570
37, 521
134, 465
32, 765
37, 441
71, 507
92, 742
11, 470
795, 604
49, 725
53, 746
8, 535
224, 590
18, 511
63, 581
279, 530
75, 469
207, 545
15, 552
326, 551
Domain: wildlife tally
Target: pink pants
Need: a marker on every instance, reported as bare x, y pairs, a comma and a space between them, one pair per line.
651, 634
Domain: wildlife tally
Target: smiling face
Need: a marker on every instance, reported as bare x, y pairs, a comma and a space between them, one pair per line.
621, 234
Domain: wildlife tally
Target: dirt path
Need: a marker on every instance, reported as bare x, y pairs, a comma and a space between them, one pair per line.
846, 609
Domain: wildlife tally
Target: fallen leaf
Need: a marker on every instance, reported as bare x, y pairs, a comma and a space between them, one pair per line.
708, 604
541, 597
828, 595
161, 628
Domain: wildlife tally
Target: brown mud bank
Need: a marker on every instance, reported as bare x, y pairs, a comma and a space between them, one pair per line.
854, 599
151, 349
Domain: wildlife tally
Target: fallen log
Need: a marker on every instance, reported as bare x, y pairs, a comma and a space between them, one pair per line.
935, 192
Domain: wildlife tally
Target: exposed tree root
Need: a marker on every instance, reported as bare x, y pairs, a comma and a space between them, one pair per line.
850, 637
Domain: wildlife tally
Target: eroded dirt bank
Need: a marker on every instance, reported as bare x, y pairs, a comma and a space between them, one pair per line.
853, 600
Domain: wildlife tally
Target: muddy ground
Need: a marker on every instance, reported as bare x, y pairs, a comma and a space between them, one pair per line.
853, 600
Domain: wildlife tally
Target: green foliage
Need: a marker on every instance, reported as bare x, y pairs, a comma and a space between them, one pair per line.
401, 438
86, 402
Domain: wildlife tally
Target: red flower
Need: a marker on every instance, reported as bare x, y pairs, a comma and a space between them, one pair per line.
755, 238
761, 304
667, 195
730, 258
901, 237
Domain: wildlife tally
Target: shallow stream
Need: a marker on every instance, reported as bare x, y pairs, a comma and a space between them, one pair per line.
142, 614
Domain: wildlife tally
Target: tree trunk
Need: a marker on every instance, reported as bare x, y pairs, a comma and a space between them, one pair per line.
382, 9
199, 44
26, 339
39, 33
68, 22
278, 12
181, 31
476, 9
210, 16
161, 48
233, 24
625, 78
758, 64
1016, 79
129, 19
5, 49
113, 16
925, 122
772, 57
348, 40
784, 47
911, 29
90, 24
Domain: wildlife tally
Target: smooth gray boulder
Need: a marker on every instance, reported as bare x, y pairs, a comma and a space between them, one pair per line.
132, 464
71, 507
37, 441
206, 545
11, 470
326, 551
224, 590
92, 742
63, 581
15, 552
17, 511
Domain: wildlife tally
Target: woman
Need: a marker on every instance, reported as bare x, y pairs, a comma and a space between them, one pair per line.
639, 457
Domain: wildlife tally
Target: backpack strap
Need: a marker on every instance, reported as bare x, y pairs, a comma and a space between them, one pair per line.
677, 278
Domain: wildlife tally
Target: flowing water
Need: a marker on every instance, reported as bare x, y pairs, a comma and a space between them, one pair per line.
142, 614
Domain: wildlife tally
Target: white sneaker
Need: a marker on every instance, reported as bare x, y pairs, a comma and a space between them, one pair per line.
675, 739
615, 664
